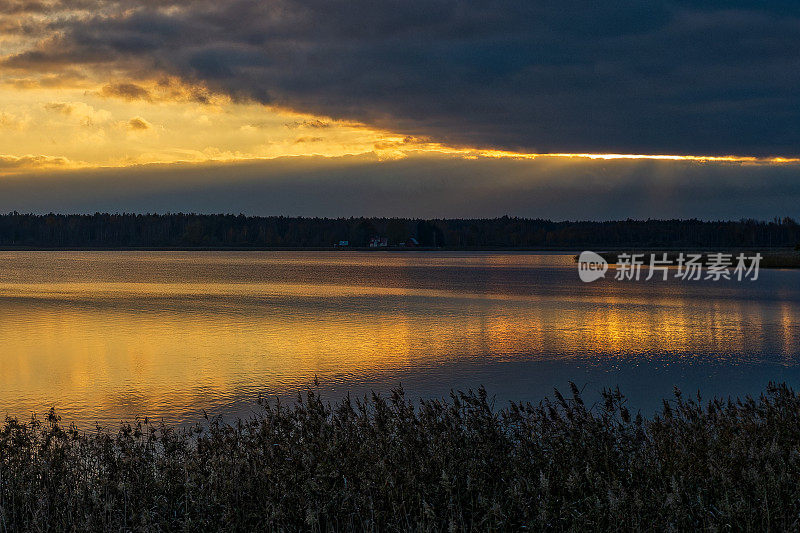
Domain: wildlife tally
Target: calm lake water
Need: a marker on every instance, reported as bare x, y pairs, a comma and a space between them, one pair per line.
105, 336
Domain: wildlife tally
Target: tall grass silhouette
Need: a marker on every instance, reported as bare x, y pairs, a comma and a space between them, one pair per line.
389, 464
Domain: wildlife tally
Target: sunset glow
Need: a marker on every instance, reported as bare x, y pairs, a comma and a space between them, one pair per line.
73, 128
121, 88
71, 97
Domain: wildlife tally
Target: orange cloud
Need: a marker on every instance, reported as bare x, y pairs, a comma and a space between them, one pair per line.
138, 123
126, 91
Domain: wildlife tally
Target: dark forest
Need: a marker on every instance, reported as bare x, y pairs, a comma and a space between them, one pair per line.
194, 230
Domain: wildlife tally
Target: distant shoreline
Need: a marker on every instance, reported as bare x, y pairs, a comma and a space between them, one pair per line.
228, 232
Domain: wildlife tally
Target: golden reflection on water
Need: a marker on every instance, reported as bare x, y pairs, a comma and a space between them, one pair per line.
103, 340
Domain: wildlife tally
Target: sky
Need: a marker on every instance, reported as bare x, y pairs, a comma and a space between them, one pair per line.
436, 108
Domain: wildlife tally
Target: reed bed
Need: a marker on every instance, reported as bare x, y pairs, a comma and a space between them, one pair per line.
389, 464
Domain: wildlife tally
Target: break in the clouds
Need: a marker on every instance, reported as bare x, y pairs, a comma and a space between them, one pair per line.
422, 185
660, 77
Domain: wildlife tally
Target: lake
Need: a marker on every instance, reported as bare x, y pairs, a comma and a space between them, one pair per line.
105, 336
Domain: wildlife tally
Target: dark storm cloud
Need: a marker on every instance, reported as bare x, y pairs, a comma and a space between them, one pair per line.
422, 186
127, 91
666, 76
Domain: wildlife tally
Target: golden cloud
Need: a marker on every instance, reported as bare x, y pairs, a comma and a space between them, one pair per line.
126, 91
10, 164
139, 124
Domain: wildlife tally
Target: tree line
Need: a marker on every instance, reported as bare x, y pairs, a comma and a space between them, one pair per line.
106, 230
